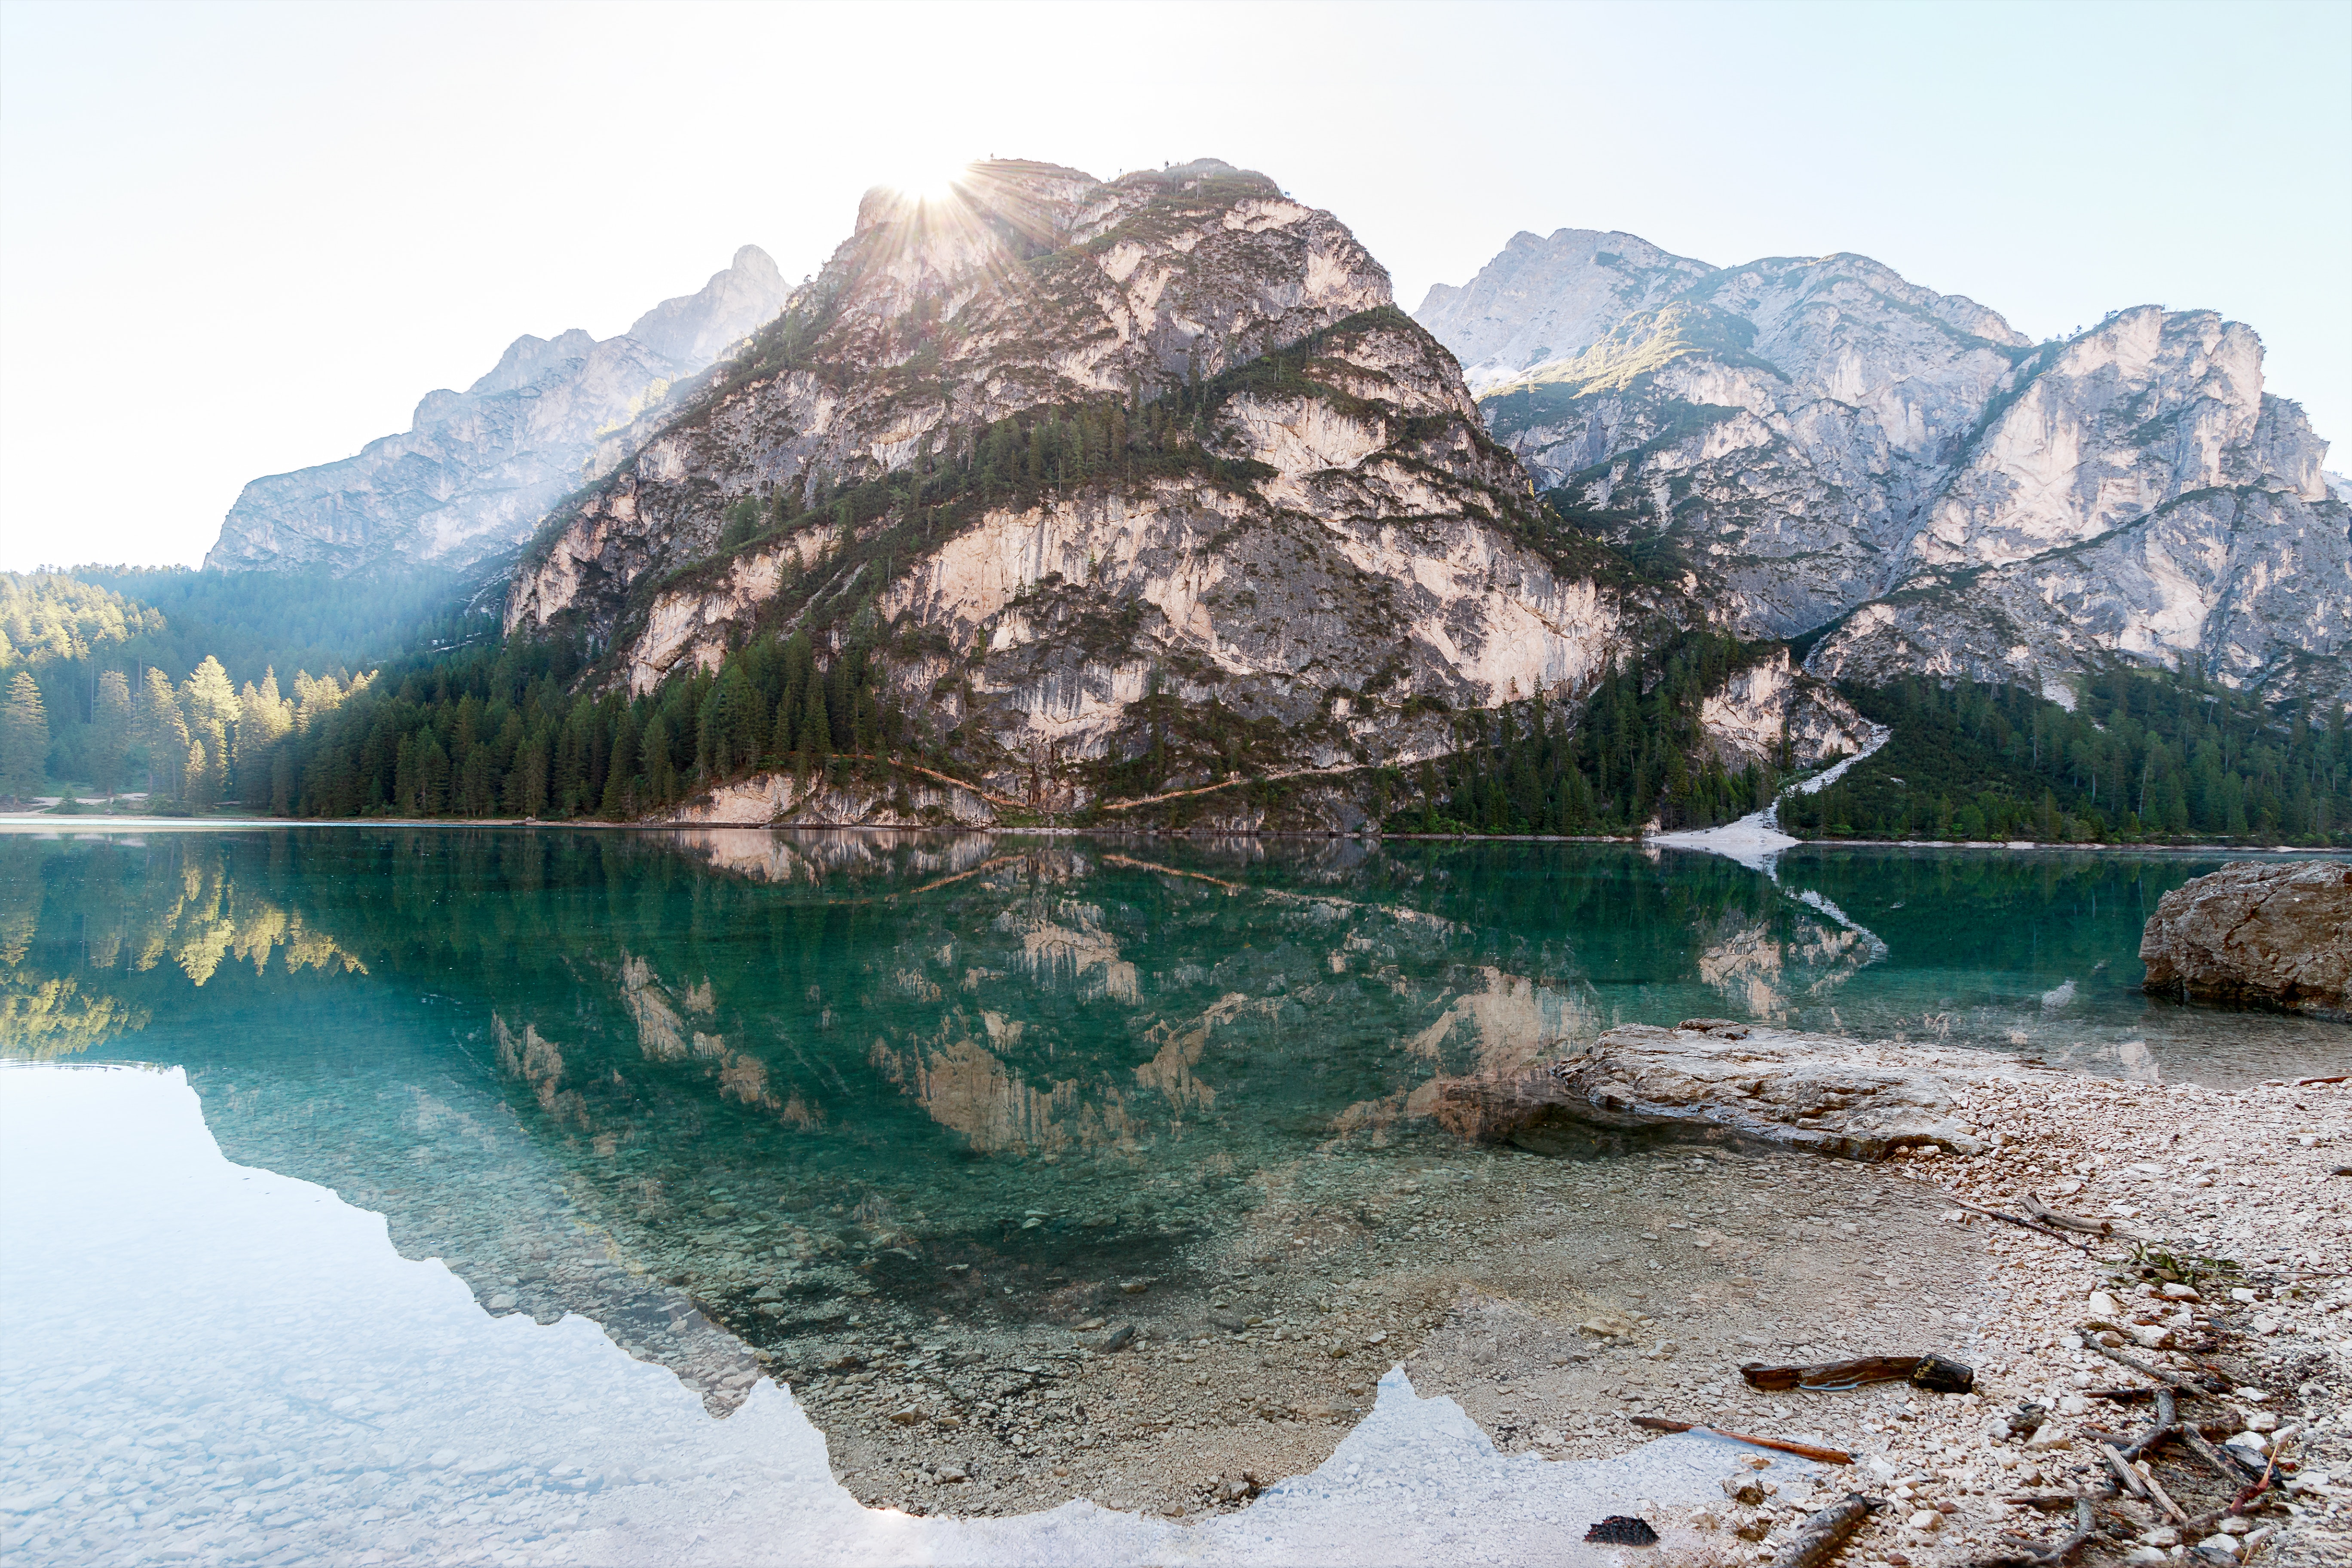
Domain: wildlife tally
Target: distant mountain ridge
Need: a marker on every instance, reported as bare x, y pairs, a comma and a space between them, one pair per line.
1827, 448
476, 469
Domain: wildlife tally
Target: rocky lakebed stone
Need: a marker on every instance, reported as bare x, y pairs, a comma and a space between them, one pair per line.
1821, 1093
2269, 933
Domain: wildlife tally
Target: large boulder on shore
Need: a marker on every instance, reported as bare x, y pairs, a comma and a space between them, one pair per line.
1715, 1081
2269, 933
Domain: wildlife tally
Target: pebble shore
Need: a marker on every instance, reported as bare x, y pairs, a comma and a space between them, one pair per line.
1555, 1299
2259, 1178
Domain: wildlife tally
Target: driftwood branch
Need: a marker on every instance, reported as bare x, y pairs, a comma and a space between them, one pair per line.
1826, 1530
1933, 1372
1803, 1451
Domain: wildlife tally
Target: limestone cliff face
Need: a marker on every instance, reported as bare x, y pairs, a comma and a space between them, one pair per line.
1823, 443
1373, 566
1768, 705
1341, 556
477, 470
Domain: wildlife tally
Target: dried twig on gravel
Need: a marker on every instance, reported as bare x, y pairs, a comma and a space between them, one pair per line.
2132, 1480
2186, 1386
2050, 1217
2167, 1414
2165, 1498
2037, 1554
2032, 1224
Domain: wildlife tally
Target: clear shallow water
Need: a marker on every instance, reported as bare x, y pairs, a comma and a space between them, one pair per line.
211, 1363
731, 1092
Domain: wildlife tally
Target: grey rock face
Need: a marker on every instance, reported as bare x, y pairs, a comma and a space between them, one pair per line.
478, 469
1820, 441
2276, 934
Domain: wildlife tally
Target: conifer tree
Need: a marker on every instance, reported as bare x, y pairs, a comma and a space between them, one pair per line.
111, 726
162, 734
209, 704
816, 738
24, 740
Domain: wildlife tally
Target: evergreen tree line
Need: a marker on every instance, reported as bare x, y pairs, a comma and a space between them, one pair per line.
1636, 753
2143, 755
195, 745
502, 734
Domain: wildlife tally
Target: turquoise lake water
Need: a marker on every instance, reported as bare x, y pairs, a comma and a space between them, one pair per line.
796, 1071
731, 1093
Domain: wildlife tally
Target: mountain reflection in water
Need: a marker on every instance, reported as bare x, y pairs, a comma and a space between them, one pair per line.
727, 1087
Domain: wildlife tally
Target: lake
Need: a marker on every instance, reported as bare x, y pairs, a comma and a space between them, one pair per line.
823, 1108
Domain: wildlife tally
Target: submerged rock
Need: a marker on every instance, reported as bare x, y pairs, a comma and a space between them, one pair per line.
1822, 1093
2271, 935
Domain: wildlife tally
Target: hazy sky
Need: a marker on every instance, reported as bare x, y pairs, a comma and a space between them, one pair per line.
240, 239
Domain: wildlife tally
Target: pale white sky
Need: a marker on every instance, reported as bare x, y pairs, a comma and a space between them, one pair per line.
240, 239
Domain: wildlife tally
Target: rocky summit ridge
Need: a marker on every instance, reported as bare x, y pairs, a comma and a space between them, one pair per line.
1826, 450
1101, 470
478, 469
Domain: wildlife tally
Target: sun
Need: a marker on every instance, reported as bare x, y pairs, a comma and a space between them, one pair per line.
926, 182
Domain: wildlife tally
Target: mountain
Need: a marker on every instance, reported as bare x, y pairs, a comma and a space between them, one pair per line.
1546, 299
1822, 449
478, 469
1127, 485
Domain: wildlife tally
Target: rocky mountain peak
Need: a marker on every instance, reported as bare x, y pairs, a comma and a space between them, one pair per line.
1833, 448
528, 358
478, 469
1551, 298
693, 330
1030, 283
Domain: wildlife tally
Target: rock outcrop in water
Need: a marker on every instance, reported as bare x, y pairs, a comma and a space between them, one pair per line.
479, 468
2269, 934
1824, 443
1711, 1078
